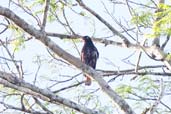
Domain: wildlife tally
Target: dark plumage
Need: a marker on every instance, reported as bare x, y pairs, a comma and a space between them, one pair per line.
89, 55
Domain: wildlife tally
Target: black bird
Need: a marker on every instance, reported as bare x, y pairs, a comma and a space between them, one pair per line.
89, 56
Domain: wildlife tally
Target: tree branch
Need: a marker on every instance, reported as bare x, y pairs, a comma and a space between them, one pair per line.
8, 106
11, 81
115, 32
45, 15
157, 102
42, 106
41, 36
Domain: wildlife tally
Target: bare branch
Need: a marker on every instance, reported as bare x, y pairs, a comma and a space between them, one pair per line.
115, 32
68, 87
22, 102
157, 102
42, 106
161, 1
8, 106
28, 11
72, 31
5, 28
45, 14
12, 59
41, 36
139, 56
165, 43
11, 81
144, 5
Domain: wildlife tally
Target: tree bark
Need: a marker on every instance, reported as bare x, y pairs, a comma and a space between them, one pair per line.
11, 81
41, 36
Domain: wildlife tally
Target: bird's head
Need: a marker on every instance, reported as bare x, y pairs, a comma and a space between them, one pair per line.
86, 38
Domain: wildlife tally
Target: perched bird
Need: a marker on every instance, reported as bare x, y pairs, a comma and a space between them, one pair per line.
89, 56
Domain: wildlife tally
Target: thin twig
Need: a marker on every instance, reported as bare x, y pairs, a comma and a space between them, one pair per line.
22, 102
54, 57
36, 74
139, 57
6, 27
8, 106
126, 42
12, 58
165, 43
119, 23
157, 102
68, 87
57, 82
69, 26
42, 106
140, 4
28, 11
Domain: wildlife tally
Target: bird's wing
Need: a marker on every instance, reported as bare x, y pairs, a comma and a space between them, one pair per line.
89, 57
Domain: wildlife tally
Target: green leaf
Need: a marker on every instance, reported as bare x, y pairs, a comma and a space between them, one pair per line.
51, 18
163, 6
73, 112
18, 43
142, 18
1, 87
168, 57
123, 90
82, 13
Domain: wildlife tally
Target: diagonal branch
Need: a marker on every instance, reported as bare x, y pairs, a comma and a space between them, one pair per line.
8, 106
115, 32
41, 36
139, 56
11, 81
45, 15
165, 43
42, 106
160, 96
154, 50
68, 87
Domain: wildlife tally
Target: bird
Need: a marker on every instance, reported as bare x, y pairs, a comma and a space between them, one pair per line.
89, 56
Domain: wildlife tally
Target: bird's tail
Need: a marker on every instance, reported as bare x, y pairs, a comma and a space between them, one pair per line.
88, 80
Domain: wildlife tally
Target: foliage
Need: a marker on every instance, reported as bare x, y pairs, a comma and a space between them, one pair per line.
124, 90
142, 18
160, 20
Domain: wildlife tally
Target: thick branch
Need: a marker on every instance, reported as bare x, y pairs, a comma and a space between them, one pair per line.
154, 50
68, 57
13, 82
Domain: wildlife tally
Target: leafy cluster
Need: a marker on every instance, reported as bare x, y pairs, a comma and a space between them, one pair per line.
159, 21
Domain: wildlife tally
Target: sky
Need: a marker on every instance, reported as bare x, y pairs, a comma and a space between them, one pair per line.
110, 57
